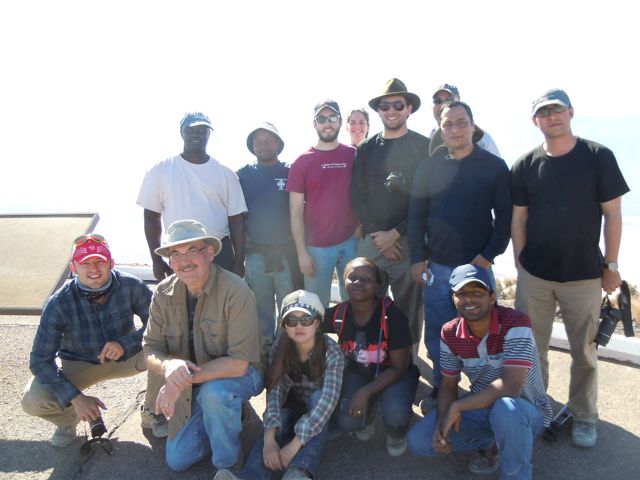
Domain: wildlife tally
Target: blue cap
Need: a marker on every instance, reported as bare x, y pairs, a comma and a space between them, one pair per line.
555, 96
447, 87
465, 274
193, 119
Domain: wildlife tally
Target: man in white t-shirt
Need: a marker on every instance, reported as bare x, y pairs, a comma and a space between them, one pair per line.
195, 186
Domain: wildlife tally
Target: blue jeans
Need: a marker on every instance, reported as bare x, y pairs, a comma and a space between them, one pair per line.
215, 424
265, 287
327, 259
512, 422
393, 403
307, 458
438, 310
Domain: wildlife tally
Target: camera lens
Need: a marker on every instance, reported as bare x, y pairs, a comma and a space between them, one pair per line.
98, 427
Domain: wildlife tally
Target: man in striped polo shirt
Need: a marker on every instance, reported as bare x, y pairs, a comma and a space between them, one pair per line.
507, 406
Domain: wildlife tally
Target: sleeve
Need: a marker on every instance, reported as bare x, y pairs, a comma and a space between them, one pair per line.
519, 350
154, 341
503, 209
295, 182
150, 196
313, 422
243, 334
487, 143
235, 201
450, 364
519, 195
140, 298
417, 217
611, 183
360, 190
42, 360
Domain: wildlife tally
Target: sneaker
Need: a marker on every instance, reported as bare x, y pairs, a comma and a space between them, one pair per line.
367, 431
584, 434
225, 474
295, 473
63, 436
429, 402
396, 446
156, 423
485, 462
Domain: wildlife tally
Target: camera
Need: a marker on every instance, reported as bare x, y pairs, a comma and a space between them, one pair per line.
610, 316
98, 428
394, 181
558, 423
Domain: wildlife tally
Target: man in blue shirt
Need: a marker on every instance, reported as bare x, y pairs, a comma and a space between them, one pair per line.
87, 335
461, 199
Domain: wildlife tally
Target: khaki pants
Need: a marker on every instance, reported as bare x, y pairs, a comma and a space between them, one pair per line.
579, 303
40, 402
407, 294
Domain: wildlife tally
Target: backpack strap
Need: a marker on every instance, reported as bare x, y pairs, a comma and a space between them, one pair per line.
339, 317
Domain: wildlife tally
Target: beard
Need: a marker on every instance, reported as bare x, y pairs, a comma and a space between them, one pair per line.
328, 137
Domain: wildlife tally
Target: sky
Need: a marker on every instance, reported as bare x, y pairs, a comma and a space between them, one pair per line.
92, 92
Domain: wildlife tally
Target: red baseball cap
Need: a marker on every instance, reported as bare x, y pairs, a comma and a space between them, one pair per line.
91, 247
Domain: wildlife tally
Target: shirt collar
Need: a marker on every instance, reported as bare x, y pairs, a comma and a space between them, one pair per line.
464, 332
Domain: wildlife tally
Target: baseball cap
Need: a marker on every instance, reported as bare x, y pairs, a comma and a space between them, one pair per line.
302, 301
465, 274
193, 119
91, 248
332, 104
452, 89
555, 96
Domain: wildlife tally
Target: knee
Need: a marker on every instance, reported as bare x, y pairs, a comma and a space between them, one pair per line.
396, 413
176, 460
215, 394
419, 437
33, 404
505, 414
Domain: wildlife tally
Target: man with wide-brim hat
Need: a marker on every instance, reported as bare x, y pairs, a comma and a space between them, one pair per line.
203, 338
384, 167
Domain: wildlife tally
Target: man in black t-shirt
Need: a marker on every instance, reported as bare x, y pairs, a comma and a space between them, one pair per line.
270, 254
561, 191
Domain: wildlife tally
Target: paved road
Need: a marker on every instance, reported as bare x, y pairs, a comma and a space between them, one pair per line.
25, 452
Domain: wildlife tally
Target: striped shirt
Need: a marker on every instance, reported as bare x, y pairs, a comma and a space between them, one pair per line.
508, 343
313, 422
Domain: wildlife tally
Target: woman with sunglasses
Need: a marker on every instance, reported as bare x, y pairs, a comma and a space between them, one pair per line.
374, 336
300, 405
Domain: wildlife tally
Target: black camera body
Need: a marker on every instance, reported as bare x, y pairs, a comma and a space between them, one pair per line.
98, 428
395, 182
610, 316
558, 423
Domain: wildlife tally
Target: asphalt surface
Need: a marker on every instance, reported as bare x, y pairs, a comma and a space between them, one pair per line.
25, 452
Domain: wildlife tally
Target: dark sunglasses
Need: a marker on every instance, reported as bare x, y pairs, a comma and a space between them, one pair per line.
397, 106
327, 118
82, 239
305, 320
549, 109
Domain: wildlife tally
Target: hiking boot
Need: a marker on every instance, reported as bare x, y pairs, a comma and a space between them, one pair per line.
429, 402
485, 462
584, 434
295, 473
63, 436
396, 446
225, 474
367, 431
156, 423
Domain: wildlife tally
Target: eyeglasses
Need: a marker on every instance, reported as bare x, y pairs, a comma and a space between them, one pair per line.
439, 101
82, 239
398, 106
549, 109
330, 118
186, 255
305, 320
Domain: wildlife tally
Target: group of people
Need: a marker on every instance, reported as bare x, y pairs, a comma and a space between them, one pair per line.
410, 225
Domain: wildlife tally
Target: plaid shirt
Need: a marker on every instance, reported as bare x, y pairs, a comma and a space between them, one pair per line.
311, 423
74, 329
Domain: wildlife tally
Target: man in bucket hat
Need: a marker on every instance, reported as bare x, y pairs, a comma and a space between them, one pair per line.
383, 169
270, 253
194, 185
88, 325
203, 338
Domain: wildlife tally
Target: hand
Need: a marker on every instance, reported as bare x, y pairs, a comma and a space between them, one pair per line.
480, 261
87, 408
359, 403
451, 420
176, 372
417, 269
111, 351
289, 451
610, 280
439, 443
307, 265
393, 253
274, 374
271, 455
160, 268
384, 239
166, 400
238, 268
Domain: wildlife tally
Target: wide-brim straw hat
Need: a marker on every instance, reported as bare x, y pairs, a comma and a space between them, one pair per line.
186, 231
396, 87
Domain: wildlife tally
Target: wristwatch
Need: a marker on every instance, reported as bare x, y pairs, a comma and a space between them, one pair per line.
611, 266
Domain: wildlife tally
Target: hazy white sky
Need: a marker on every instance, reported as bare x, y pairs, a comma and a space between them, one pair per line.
92, 92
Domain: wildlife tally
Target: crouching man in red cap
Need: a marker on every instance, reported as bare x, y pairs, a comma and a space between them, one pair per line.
87, 335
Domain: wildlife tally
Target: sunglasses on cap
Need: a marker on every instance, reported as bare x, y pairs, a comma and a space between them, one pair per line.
327, 118
305, 320
91, 237
549, 109
398, 106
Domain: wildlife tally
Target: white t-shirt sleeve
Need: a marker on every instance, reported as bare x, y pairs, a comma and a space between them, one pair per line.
235, 197
150, 196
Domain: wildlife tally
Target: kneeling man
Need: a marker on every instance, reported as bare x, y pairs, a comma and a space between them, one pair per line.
87, 335
507, 407
204, 338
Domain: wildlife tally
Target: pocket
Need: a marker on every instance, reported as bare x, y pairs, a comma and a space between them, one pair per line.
173, 335
214, 337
